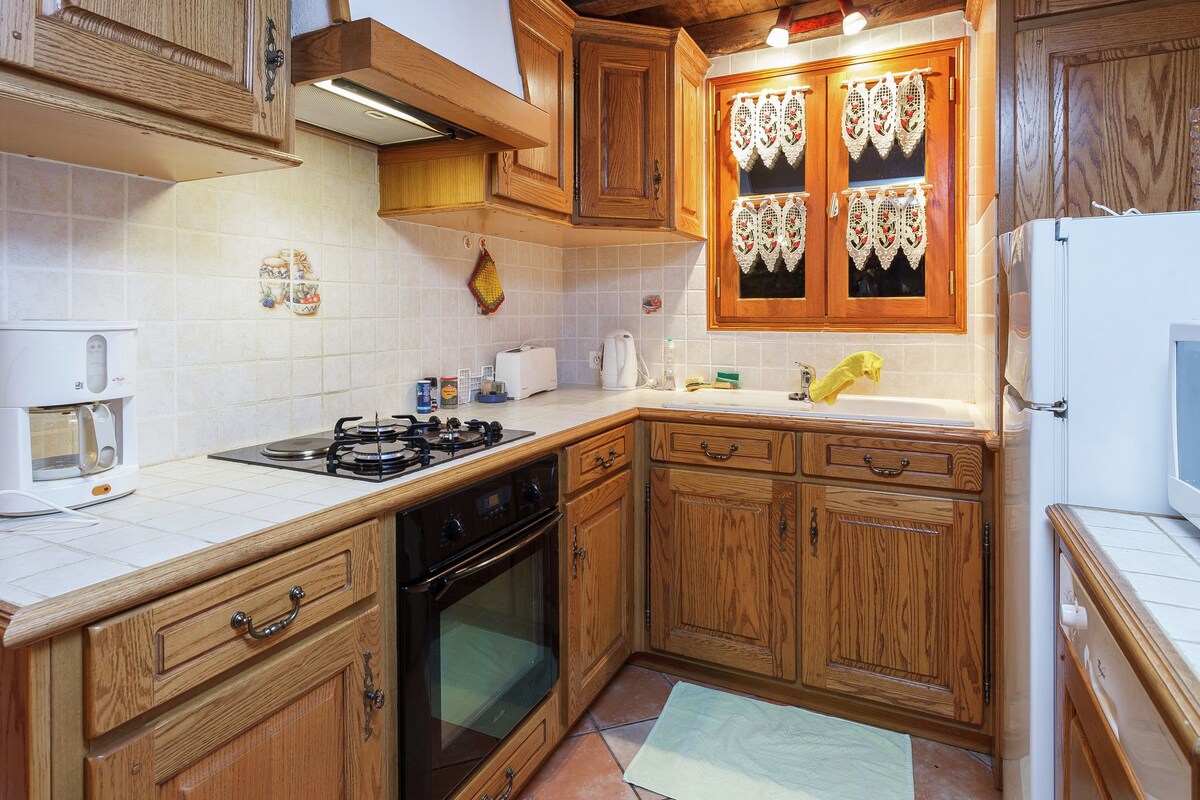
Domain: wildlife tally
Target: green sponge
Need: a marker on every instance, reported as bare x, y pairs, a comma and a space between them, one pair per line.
728, 377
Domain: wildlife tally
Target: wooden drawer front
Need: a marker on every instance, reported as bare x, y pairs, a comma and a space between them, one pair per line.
733, 448
523, 752
146, 656
864, 458
599, 456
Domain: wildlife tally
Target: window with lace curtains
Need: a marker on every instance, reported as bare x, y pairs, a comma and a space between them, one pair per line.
838, 195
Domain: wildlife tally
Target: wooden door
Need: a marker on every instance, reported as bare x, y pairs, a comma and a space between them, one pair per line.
624, 162
1101, 113
203, 61
723, 570
687, 139
600, 595
893, 599
295, 726
542, 176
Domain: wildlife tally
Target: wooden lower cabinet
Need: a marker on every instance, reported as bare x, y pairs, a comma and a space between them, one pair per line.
893, 599
599, 553
723, 570
297, 725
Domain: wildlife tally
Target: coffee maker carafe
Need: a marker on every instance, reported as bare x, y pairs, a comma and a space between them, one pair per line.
67, 427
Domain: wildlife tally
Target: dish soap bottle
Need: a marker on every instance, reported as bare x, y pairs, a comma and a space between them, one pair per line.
669, 365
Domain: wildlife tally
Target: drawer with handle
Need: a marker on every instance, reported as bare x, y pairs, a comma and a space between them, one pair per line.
718, 446
518, 759
903, 462
141, 658
596, 457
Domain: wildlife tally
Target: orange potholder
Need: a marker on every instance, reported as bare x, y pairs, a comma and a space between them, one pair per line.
484, 283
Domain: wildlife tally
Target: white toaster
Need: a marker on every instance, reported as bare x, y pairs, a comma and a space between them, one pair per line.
527, 370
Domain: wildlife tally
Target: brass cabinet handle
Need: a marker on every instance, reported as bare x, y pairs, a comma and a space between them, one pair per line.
372, 697
718, 456
783, 525
272, 60
507, 793
577, 553
890, 473
612, 458
658, 179
242, 618
814, 531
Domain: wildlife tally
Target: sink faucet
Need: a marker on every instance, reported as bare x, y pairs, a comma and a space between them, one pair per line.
807, 374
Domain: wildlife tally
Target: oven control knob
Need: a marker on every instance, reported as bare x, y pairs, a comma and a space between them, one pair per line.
532, 493
452, 529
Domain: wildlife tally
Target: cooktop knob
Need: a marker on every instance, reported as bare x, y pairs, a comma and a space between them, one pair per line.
452, 529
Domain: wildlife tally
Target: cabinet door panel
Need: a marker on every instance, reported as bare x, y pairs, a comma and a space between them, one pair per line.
599, 602
622, 132
540, 176
893, 590
723, 570
199, 60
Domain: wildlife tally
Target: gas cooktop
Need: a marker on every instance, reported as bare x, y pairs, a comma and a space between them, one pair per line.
379, 449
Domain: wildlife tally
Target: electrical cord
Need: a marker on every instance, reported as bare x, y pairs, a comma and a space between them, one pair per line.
80, 519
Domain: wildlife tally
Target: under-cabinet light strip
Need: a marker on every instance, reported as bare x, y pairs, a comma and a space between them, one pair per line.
886, 187
874, 78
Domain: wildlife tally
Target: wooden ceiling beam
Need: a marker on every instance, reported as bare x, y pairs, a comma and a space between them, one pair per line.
749, 32
612, 8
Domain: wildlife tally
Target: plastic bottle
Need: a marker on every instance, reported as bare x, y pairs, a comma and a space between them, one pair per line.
669, 365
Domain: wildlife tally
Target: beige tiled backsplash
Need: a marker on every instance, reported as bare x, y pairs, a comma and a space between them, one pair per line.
217, 370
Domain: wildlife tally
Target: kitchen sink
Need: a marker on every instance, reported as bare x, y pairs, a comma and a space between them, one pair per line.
915, 410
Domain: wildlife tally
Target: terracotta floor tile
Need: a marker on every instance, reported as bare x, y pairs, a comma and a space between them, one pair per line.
634, 695
624, 742
580, 769
584, 725
942, 772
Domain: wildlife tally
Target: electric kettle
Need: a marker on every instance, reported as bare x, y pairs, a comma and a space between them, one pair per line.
618, 364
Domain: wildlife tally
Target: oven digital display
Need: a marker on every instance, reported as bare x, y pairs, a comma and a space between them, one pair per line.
494, 500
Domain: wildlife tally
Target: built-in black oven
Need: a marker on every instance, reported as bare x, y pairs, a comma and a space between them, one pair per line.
477, 612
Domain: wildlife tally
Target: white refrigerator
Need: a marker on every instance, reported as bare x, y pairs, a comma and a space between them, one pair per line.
1085, 421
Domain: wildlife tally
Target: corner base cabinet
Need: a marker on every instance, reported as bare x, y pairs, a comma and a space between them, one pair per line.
893, 601
723, 570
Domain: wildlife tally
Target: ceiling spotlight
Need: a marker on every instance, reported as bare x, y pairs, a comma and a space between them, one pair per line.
778, 35
852, 21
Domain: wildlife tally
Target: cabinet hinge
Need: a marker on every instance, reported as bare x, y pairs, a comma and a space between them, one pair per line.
575, 191
575, 71
987, 613
646, 511
951, 283
953, 87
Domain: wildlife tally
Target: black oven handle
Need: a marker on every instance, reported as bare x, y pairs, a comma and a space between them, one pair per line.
446, 579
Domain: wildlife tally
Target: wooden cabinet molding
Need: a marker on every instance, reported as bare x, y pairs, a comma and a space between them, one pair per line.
298, 720
598, 550
893, 599
723, 570
1099, 112
828, 303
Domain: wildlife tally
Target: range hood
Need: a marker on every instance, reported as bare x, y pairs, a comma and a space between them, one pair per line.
365, 80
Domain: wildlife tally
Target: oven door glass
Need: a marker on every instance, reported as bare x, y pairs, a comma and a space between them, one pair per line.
491, 656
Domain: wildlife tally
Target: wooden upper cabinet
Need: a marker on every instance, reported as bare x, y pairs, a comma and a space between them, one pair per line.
826, 290
1101, 114
893, 600
688, 186
542, 176
1024, 9
201, 61
623, 126
294, 726
599, 553
723, 570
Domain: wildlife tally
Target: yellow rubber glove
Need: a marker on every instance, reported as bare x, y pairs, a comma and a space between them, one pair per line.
864, 364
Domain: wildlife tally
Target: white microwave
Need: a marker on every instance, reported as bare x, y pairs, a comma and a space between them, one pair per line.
1183, 473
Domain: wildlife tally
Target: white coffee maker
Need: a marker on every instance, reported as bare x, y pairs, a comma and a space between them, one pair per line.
67, 428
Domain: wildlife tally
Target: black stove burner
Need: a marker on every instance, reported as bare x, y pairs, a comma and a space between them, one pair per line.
302, 448
378, 449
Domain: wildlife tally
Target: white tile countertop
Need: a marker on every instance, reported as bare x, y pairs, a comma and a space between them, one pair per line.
1159, 557
200, 505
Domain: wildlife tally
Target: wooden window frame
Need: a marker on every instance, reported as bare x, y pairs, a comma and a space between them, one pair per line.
826, 305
